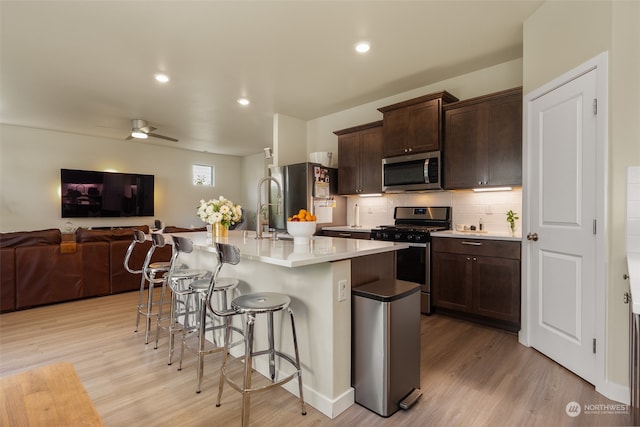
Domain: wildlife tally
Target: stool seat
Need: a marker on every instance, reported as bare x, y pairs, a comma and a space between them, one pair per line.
260, 302
222, 283
184, 273
160, 266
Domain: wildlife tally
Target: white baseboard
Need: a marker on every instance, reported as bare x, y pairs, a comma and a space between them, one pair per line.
329, 407
614, 391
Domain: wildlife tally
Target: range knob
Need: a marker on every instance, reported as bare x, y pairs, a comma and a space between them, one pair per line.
397, 236
410, 237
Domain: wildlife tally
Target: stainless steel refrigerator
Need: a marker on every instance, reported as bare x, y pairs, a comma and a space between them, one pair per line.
309, 186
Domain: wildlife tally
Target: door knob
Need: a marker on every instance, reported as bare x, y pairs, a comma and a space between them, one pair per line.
532, 236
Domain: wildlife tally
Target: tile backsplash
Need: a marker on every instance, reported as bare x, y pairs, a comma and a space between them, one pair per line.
468, 207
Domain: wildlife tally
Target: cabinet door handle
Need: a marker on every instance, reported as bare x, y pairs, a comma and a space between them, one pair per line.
344, 234
471, 243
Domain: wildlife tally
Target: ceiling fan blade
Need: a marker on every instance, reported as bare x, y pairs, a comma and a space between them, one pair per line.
128, 138
168, 138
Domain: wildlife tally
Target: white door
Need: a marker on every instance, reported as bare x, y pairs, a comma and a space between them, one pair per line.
562, 199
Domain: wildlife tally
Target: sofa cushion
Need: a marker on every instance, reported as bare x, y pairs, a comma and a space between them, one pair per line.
44, 276
51, 236
174, 229
7, 279
95, 268
86, 235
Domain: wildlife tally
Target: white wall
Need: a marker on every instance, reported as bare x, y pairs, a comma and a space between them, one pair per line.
559, 36
254, 168
320, 136
31, 159
289, 140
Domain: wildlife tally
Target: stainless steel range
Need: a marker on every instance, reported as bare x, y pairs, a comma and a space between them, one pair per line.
414, 226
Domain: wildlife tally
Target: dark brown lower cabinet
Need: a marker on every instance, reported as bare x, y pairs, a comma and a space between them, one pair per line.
477, 279
363, 235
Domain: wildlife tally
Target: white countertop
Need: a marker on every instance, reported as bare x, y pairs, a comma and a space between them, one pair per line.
476, 235
633, 265
350, 228
284, 253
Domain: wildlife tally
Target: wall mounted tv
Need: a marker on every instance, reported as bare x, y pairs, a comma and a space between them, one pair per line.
105, 194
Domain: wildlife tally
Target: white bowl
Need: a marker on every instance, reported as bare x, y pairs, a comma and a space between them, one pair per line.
301, 231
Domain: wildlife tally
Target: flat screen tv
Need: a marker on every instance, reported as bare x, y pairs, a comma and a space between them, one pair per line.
105, 194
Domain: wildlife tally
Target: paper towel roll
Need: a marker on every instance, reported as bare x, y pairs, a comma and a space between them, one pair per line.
356, 215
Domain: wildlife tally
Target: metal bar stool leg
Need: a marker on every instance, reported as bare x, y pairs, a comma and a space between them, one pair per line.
142, 281
159, 318
248, 362
225, 357
298, 366
272, 348
149, 307
201, 340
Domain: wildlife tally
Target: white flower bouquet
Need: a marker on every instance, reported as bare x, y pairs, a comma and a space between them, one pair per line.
219, 210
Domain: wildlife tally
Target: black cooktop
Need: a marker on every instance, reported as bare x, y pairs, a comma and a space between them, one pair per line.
414, 224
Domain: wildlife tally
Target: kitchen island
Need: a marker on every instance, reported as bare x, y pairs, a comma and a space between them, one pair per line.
317, 277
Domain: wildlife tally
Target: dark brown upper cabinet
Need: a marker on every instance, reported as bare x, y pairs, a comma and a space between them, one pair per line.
483, 141
360, 159
414, 126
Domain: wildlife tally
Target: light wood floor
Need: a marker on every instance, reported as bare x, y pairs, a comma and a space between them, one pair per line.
471, 375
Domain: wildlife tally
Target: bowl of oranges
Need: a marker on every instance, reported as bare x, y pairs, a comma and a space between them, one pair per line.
301, 226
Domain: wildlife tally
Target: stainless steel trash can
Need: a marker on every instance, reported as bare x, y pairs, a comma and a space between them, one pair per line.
386, 345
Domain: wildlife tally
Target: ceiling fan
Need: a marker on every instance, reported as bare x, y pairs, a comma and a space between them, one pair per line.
140, 129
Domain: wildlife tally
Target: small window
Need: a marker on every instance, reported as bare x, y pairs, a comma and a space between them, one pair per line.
203, 175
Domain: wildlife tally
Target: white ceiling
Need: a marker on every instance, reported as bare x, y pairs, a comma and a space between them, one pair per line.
87, 67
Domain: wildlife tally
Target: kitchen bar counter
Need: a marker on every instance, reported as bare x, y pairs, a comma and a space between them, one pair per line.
476, 235
317, 277
284, 253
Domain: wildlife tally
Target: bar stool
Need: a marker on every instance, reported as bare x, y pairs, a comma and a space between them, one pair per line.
194, 338
148, 273
179, 277
251, 305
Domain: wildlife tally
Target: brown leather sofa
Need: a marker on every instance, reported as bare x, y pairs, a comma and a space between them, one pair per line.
38, 267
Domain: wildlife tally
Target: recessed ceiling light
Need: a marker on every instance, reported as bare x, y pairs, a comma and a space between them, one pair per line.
363, 47
243, 101
162, 78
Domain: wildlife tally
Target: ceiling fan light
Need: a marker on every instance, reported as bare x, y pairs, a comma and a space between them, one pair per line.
139, 135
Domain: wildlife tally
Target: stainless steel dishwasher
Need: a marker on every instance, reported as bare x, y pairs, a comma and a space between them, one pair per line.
386, 345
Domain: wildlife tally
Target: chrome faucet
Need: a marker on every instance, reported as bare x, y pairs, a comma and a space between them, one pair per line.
260, 218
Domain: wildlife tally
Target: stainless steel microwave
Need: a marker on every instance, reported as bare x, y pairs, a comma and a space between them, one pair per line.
415, 172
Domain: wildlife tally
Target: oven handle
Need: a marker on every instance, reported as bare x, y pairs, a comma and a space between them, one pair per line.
471, 243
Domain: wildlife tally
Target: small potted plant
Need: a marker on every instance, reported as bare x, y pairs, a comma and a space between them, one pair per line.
511, 219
